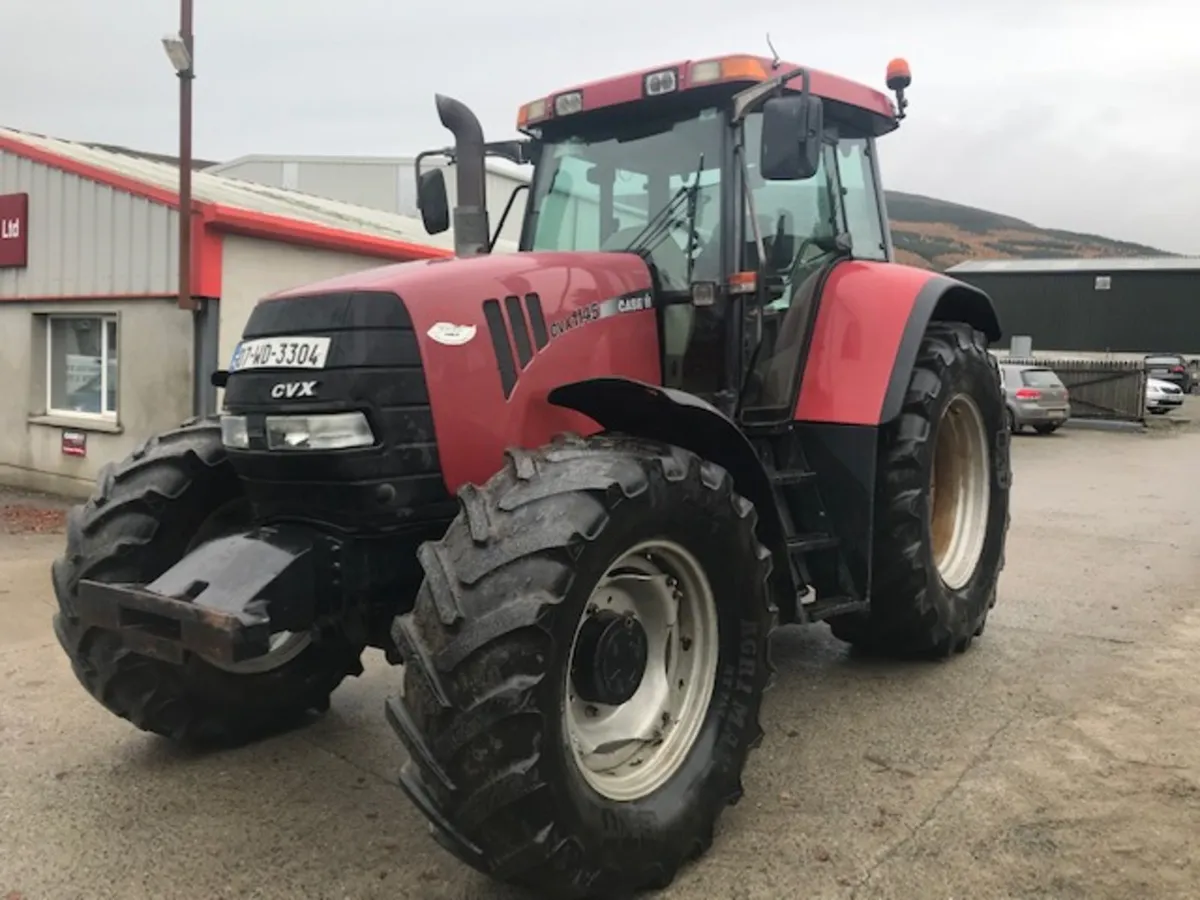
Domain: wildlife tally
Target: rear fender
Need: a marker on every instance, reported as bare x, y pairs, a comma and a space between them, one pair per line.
683, 419
869, 326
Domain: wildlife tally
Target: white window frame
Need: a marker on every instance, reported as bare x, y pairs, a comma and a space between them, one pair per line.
107, 321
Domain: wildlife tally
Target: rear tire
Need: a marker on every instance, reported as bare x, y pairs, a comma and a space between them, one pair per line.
934, 582
145, 514
485, 709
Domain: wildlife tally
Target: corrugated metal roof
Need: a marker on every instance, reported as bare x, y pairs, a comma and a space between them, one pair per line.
494, 165
244, 195
1114, 264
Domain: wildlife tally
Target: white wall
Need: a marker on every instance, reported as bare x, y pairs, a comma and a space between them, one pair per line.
252, 268
154, 392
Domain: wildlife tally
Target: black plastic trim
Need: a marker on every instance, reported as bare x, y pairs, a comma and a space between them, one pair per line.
537, 320
516, 319
504, 358
942, 298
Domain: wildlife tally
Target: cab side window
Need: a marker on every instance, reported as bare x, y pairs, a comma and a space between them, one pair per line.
864, 219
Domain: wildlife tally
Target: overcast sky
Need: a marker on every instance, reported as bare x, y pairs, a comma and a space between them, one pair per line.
1077, 114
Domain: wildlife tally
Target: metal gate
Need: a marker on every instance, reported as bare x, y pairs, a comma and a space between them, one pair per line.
1111, 389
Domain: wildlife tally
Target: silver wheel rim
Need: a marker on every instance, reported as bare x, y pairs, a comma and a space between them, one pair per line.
284, 646
960, 491
628, 751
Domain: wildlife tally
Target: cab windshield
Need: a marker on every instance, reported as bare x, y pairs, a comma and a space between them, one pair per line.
599, 189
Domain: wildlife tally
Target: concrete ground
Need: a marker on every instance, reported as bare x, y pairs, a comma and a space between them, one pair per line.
1056, 759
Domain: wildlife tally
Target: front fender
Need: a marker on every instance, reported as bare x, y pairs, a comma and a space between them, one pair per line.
869, 326
677, 417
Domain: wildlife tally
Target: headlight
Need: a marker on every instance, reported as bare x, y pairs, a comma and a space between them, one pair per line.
234, 432
336, 431
320, 431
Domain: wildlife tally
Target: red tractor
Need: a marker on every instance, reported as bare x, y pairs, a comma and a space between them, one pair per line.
573, 489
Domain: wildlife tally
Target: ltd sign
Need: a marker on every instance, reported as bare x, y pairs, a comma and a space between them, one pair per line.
14, 231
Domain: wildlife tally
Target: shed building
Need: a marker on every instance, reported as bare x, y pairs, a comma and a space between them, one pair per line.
95, 352
385, 183
1131, 305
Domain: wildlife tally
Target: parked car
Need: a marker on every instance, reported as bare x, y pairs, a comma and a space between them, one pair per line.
1162, 396
1170, 367
1036, 398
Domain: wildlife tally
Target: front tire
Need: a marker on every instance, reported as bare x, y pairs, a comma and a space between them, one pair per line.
941, 504
492, 706
174, 491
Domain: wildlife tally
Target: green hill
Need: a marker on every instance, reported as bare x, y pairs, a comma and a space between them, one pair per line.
936, 234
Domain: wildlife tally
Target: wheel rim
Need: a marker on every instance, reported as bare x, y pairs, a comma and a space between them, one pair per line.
284, 646
960, 491
627, 750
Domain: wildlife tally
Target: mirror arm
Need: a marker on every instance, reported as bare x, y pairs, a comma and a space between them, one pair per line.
754, 96
515, 151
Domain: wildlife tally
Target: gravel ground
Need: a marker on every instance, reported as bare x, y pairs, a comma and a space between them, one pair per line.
1056, 759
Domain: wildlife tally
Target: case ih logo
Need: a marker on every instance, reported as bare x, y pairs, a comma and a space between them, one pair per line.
14, 231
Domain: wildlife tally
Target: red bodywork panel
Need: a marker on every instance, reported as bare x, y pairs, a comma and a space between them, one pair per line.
860, 322
473, 421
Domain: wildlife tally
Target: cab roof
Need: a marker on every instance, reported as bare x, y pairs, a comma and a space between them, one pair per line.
678, 77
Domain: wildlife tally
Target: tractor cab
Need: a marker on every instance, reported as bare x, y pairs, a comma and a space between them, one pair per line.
740, 180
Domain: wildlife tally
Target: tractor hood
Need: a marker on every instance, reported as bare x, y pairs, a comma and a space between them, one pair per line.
497, 333
453, 289
447, 298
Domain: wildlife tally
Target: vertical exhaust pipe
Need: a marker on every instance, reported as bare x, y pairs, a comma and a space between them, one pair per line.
472, 233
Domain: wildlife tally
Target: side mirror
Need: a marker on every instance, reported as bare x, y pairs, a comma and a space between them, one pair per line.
432, 201
792, 126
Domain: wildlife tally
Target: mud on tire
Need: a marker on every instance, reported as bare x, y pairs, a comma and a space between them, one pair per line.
144, 513
913, 610
485, 648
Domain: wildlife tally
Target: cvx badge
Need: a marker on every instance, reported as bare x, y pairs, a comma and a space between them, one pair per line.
290, 390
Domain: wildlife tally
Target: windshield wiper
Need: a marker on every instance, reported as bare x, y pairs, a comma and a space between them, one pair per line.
661, 222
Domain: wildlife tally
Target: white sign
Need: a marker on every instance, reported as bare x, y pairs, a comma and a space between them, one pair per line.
451, 335
280, 353
1103, 282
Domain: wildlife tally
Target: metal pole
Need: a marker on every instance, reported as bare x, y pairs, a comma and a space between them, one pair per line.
185, 159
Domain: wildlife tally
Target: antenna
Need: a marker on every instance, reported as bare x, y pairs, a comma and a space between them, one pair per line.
774, 52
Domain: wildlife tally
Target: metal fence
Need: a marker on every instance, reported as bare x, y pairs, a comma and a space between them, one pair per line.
1112, 389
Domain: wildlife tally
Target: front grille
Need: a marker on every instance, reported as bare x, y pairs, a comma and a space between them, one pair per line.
374, 366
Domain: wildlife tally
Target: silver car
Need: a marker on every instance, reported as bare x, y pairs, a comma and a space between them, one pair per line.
1036, 398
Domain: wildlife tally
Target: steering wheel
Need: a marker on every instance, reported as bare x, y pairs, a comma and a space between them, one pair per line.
667, 256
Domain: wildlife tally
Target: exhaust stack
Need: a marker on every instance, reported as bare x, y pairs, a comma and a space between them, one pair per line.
472, 232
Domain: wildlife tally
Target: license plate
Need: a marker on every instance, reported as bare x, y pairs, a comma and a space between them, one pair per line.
280, 353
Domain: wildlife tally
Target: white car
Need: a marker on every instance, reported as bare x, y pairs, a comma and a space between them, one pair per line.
1162, 396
